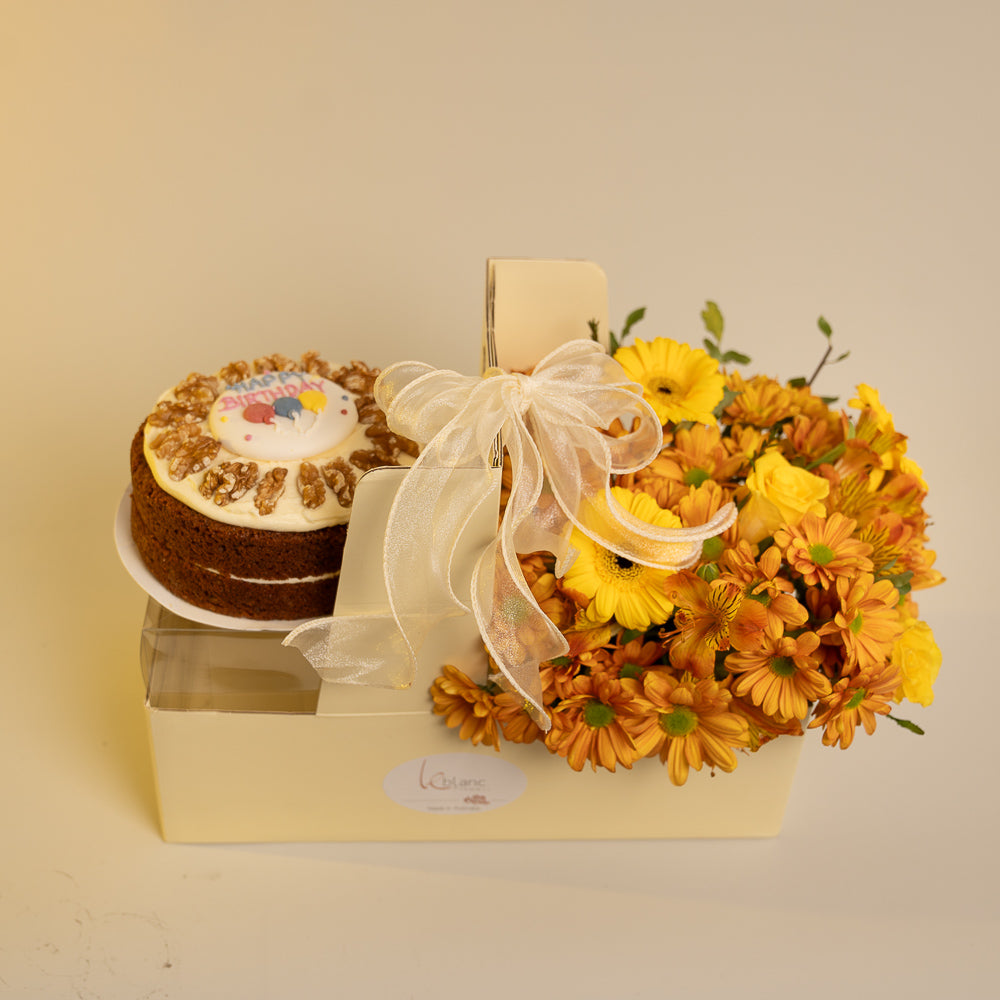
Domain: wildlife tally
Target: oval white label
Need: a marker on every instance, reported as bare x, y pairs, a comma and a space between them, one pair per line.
454, 783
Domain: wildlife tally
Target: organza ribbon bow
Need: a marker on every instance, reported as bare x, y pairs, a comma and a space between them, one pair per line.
550, 423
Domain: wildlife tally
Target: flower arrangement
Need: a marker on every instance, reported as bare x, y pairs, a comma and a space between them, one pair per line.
799, 616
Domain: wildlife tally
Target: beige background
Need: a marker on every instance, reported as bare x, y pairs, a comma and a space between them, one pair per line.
184, 183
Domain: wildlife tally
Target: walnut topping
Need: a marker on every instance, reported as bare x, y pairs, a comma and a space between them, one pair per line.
274, 363
171, 413
167, 444
238, 371
311, 362
369, 412
341, 479
194, 455
369, 458
358, 378
198, 388
269, 490
310, 484
228, 481
389, 443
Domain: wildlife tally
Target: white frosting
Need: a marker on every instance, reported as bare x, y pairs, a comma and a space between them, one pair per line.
282, 416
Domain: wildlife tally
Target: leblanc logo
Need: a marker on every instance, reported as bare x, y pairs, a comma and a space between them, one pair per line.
454, 783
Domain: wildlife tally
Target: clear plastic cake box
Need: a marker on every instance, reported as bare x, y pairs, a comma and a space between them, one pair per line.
250, 746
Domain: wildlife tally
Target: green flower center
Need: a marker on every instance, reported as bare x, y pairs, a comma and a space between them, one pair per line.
597, 715
695, 477
712, 548
856, 698
783, 666
858, 623
821, 554
630, 670
680, 722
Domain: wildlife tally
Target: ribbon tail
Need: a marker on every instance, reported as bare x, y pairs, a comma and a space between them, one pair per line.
517, 633
356, 649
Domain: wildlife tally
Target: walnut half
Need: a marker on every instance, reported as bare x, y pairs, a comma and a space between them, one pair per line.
228, 481
269, 490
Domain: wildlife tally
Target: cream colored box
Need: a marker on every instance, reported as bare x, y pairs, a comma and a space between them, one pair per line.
249, 745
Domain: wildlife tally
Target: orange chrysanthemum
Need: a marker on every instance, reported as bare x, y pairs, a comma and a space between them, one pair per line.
688, 723
856, 699
466, 706
762, 583
867, 623
511, 713
589, 725
823, 549
781, 677
761, 402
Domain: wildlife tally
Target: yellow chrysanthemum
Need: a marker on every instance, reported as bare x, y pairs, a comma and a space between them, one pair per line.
631, 594
678, 381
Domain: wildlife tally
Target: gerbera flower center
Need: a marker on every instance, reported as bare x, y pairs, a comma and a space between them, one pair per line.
618, 569
856, 698
695, 477
680, 722
663, 385
782, 666
821, 554
858, 623
597, 715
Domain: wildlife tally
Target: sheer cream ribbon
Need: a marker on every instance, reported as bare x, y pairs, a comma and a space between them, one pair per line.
561, 466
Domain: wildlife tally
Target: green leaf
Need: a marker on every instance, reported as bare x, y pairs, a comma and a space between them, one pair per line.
736, 357
728, 395
846, 354
632, 318
711, 316
798, 382
906, 724
613, 343
594, 327
824, 328
829, 457
711, 349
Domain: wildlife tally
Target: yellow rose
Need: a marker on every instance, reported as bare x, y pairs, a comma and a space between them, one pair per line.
794, 491
758, 519
916, 655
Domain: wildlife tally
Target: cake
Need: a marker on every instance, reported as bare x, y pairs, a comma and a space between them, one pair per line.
243, 481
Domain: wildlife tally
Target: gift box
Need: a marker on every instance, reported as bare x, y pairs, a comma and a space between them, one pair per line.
253, 742
242, 755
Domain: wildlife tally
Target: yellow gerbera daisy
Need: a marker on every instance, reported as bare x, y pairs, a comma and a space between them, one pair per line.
678, 381
618, 588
